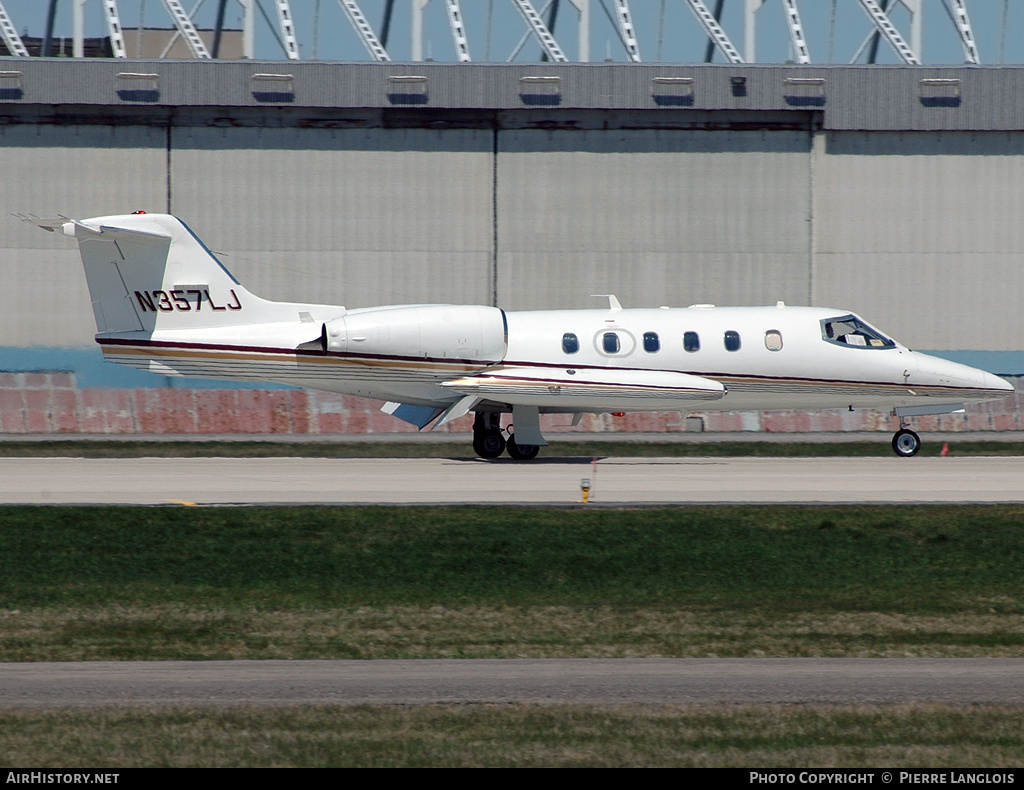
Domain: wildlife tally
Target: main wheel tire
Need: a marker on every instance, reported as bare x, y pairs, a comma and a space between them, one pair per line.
522, 452
906, 443
490, 444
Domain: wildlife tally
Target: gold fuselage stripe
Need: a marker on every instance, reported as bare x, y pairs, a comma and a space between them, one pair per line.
444, 369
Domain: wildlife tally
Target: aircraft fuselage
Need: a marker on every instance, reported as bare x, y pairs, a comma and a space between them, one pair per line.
164, 303
766, 357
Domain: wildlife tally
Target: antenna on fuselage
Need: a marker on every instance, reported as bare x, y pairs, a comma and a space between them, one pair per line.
613, 301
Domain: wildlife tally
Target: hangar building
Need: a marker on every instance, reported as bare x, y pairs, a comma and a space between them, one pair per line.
895, 192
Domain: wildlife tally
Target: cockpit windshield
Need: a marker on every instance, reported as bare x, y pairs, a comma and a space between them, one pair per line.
851, 331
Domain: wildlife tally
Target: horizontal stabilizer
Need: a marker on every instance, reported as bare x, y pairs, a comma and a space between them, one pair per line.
589, 389
132, 233
50, 224
74, 227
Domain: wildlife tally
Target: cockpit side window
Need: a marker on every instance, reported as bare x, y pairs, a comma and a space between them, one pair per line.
848, 330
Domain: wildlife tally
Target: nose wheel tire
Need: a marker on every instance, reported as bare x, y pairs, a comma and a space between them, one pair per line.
522, 452
906, 443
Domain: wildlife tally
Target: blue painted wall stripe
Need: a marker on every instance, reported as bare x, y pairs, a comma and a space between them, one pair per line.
93, 372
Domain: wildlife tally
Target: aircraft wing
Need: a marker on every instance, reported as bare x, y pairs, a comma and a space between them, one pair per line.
589, 389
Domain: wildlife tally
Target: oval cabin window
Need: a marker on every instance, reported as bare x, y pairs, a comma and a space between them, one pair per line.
651, 342
610, 343
691, 342
732, 341
773, 340
570, 343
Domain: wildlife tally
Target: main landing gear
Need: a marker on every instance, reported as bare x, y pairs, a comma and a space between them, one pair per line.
488, 441
905, 443
521, 452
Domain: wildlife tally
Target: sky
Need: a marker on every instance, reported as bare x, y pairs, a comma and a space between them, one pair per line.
666, 29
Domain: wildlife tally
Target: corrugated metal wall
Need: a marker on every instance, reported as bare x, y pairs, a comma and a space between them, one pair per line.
920, 232
343, 216
654, 216
850, 97
76, 171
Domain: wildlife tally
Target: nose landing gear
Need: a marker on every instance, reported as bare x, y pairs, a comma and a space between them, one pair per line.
905, 443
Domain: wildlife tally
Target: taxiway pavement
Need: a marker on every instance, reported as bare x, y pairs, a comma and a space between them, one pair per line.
767, 681
545, 481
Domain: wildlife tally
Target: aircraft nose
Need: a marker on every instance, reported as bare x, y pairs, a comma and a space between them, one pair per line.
997, 384
942, 372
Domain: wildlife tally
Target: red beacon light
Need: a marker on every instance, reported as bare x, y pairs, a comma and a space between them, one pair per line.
140, 211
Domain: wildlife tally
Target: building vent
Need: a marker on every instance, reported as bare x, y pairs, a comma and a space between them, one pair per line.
135, 86
937, 92
273, 88
542, 91
11, 86
407, 89
672, 91
804, 91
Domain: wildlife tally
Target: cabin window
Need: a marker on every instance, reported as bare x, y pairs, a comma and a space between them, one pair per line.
651, 342
570, 343
773, 340
691, 342
848, 330
610, 343
732, 341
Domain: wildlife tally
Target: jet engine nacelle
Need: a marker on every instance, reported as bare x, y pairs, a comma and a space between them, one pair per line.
466, 332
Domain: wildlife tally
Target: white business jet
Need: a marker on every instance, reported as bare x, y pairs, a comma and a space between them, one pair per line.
164, 303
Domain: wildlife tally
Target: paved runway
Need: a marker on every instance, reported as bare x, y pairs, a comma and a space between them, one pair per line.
556, 481
771, 681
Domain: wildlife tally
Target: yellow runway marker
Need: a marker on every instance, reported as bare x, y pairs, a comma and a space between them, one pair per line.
182, 502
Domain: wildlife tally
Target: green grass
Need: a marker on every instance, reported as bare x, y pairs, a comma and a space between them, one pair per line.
123, 582
911, 559
878, 447
780, 737
79, 583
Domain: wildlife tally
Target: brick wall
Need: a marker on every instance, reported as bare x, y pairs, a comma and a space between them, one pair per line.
52, 403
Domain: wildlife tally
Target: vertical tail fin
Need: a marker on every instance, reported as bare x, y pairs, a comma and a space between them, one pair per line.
148, 272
